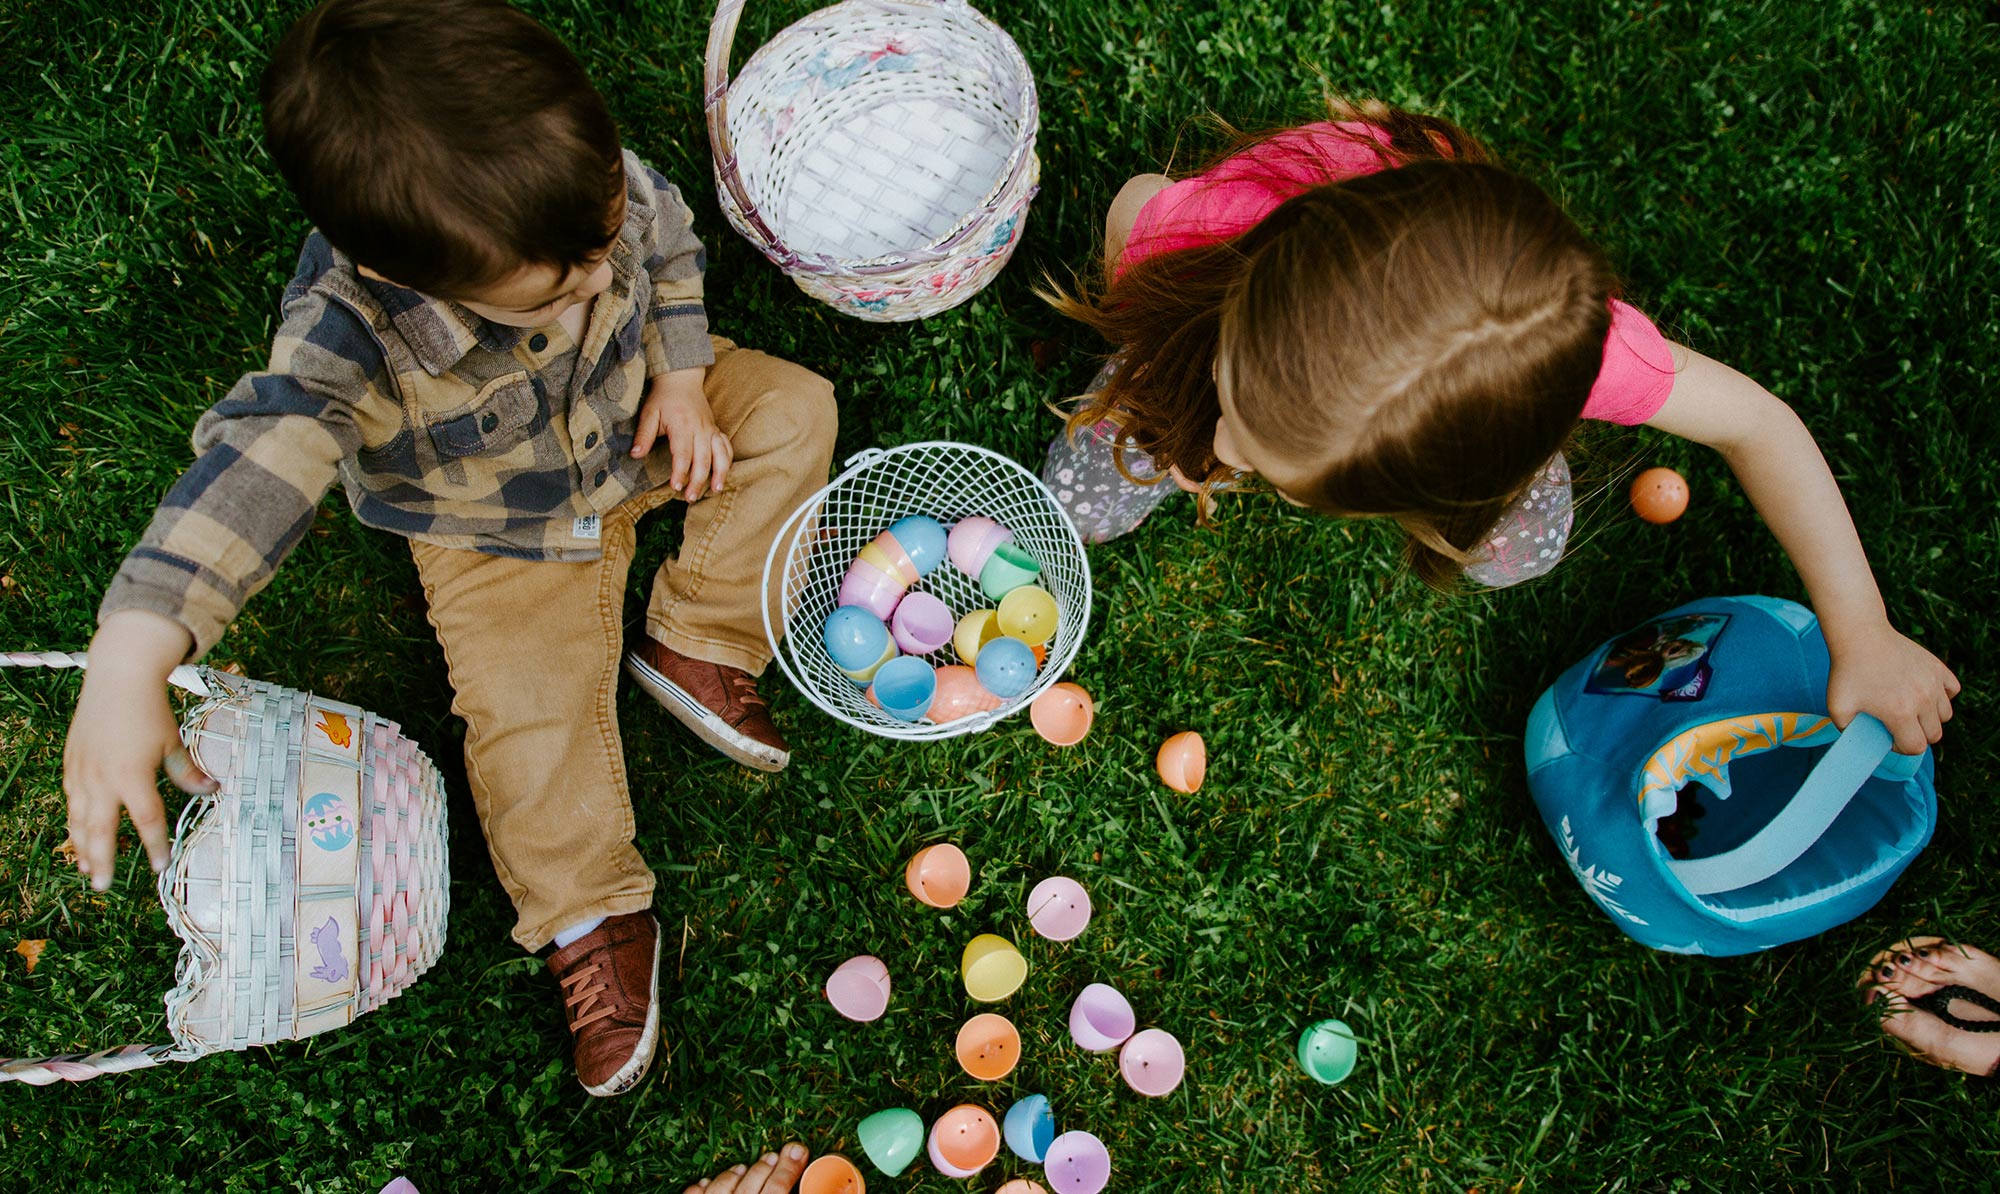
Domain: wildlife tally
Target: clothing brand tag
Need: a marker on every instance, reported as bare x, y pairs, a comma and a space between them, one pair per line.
586, 527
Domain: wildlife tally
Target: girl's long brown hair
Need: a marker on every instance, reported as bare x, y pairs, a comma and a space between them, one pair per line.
1414, 343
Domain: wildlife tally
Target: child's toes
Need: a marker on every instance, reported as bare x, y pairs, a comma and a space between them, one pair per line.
1921, 1031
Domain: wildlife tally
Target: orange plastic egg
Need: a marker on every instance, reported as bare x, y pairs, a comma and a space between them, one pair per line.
1183, 761
1659, 495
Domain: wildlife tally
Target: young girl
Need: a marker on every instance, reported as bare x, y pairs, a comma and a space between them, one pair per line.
1379, 323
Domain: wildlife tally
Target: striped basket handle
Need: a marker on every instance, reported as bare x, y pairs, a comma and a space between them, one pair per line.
81, 1067
715, 107
187, 676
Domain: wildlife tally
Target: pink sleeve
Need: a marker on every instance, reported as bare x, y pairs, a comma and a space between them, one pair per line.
1238, 192
1638, 371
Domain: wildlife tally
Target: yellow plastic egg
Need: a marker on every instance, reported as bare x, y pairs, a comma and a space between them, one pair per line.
974, 631
1029, 614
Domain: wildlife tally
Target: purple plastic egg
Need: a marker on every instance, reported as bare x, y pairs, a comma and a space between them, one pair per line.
922, 624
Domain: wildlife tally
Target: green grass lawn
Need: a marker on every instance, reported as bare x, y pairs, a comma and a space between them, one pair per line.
1806, 191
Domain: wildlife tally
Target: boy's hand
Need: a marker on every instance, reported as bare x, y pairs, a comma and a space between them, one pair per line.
676, 408
1876, 670
123, 734
774, 1173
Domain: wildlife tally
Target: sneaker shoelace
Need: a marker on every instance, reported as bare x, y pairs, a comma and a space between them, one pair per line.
741, 688
586, 1005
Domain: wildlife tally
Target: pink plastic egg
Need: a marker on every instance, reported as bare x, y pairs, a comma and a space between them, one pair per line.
1152, 1062
972, 541
859, 988
872, 589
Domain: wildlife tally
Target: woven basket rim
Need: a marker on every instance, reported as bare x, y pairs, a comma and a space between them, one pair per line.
940, 248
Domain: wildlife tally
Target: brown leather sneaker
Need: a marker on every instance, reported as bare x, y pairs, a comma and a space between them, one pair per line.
610, 983
720, 704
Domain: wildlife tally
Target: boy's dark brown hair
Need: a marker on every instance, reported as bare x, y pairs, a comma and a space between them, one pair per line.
443, 144
1414, 343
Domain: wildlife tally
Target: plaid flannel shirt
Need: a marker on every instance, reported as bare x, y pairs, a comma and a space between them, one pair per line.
442, 426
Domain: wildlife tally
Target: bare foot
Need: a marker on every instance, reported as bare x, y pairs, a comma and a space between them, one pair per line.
1922, 966
774, 1173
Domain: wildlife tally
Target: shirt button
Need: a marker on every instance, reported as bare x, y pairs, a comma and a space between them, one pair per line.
488, 423
601, 475
590, 441
537, 342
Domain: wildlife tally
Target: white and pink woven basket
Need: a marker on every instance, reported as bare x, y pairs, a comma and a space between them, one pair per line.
310, 888
880, 152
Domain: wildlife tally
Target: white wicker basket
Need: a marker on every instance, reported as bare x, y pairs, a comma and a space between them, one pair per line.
880, 152
946, 481
310, 888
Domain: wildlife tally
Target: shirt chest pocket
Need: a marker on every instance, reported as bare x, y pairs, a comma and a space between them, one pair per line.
506, 411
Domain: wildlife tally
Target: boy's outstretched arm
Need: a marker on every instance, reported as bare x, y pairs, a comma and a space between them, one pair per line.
264, 456
1875, 668
122, 736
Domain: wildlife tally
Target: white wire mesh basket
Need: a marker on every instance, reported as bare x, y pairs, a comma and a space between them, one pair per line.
946, 481
880, 152
310, 888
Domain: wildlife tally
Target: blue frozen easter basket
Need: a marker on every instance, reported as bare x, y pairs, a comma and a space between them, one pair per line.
1693, 780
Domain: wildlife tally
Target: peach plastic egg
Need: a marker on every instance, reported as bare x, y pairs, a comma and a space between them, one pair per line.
1021, 1185
889, 558
988, 1047
939, 875
964, 1140
1183, 761
1659, 495
832, 1174
1063, 714
959, 695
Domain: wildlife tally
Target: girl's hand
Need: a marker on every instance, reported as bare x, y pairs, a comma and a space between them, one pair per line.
122, 736
774, 1173
676, 408
1877, 670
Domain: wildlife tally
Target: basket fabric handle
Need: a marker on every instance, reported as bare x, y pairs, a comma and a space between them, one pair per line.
81, 1067
1861, 751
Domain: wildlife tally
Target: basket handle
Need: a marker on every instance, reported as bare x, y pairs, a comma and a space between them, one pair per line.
715, 107
187, 676
82, 1067
1861, 751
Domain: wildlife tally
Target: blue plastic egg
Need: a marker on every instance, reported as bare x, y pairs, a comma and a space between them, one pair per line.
923, 540
857, 641
1030, 1127
1006, 667
905, 687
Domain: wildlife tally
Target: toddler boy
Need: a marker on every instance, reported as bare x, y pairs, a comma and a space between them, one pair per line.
496, 342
